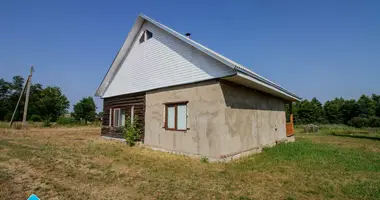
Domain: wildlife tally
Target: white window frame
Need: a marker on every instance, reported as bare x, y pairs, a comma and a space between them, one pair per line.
132, 113
110, 119
120, 117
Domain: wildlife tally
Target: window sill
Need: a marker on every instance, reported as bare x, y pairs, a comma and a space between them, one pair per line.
167, 129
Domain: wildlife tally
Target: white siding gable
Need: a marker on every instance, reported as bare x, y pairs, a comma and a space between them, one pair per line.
163, 61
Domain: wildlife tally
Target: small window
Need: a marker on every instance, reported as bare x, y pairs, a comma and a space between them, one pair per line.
118, 117
176, 116
148, 34
145, 36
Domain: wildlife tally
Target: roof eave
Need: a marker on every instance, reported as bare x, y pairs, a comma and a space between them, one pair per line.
251, 81
268, 83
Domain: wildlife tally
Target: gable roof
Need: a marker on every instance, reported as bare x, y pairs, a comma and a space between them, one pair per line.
250, 76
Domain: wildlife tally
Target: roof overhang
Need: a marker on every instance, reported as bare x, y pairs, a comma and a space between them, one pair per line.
250, 81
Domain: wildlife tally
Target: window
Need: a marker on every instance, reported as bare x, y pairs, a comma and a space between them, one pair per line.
118, 117
148, 34
145, 36
176, 116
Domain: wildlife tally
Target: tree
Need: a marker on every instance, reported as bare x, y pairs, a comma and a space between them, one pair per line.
48, 103
34, 98
349, 110
51, 104
367, 106
332, 111
304, 112
13, 92
85, 109
5, 90
376, 99
318, 110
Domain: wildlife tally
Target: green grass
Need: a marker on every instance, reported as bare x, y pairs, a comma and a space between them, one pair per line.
313, 156
77, 164
340, 128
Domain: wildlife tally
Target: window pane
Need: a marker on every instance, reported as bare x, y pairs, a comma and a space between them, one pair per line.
116, 117
181, 121
122, 117
170, 120
148, 34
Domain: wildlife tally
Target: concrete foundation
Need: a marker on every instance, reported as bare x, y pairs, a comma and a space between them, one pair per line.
224, 120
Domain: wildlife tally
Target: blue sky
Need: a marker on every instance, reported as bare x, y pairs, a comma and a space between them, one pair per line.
324, 49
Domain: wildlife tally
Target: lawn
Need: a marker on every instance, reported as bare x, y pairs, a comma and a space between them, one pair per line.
75, 163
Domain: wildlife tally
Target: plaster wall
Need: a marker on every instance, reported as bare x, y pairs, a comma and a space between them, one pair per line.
223, 119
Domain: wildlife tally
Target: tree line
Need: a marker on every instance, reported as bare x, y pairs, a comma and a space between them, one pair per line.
50, 104
364, 112
45, 103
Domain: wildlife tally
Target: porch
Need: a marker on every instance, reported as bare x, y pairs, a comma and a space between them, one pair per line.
290, 124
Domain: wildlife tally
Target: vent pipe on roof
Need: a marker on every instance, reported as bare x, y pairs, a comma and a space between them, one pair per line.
188, 35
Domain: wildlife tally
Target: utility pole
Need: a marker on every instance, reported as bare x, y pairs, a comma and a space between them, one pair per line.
18, 102
29, 83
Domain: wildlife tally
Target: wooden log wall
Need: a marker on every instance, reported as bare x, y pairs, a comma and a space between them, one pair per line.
123, 102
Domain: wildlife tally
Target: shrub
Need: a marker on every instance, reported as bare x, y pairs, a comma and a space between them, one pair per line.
47, 122
374, 121
66, 120
204, 159
132, 132
358, 122
36, 118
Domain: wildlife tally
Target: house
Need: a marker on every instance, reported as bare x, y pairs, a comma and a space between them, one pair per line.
190, 99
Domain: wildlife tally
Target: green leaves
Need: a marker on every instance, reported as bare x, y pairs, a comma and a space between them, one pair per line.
306, 112
363, 112
48, 103
52, 103
85, 110
132, 132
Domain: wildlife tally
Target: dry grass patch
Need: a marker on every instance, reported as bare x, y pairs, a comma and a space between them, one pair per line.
75, 163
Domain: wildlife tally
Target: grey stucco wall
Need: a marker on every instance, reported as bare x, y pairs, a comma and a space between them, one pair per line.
253, 119
223, 119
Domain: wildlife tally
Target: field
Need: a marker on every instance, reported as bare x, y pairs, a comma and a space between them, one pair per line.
75, 163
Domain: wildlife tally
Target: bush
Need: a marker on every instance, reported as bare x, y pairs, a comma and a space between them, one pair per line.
358, 122
204, 159
132, 132
374, 121
36, 118
47, 122
66, 121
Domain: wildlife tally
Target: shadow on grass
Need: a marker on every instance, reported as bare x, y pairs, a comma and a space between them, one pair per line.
357, 136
